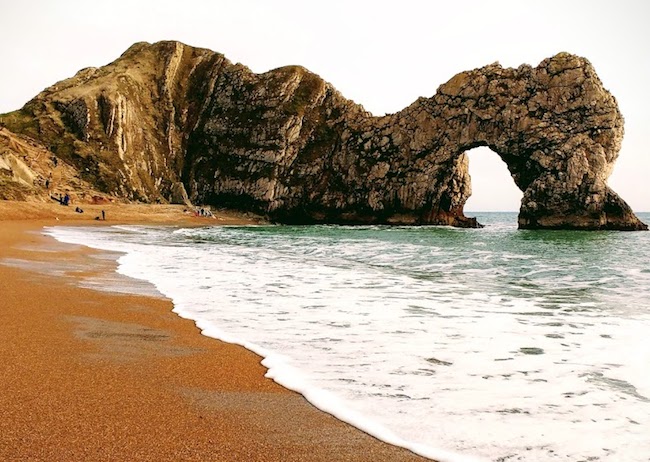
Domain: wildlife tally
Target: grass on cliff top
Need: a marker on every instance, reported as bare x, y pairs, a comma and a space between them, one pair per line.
20, 122
305, 94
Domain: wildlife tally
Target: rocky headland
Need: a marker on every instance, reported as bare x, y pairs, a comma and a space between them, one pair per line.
167, 122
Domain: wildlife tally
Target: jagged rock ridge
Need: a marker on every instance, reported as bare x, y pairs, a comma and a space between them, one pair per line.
168, 119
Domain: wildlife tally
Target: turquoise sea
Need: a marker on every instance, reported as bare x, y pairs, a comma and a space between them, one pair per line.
461, 344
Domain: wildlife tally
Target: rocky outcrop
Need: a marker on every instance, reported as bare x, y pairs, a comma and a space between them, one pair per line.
29, 172
168, 119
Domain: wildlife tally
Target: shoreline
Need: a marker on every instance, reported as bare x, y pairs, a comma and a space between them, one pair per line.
98, 375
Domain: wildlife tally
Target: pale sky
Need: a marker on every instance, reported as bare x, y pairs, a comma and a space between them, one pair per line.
381, 54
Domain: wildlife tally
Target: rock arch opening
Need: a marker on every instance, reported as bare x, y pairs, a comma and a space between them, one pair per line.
493, 189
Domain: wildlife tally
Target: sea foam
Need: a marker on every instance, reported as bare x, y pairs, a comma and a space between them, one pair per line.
530, 348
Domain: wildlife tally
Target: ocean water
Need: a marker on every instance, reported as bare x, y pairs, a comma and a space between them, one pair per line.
461, 344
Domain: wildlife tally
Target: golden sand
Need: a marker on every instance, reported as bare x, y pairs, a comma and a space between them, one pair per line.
89, 375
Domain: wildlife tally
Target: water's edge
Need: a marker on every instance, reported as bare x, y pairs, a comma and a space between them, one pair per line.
277, 368
497, 343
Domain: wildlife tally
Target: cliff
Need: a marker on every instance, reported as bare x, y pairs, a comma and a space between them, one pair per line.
169, 122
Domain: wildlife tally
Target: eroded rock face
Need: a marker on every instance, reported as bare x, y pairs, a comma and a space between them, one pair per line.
286, 144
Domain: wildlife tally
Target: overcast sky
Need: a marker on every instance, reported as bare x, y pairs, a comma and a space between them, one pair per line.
382, 54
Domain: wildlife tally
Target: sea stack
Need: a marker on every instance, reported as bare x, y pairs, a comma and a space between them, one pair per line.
170, 122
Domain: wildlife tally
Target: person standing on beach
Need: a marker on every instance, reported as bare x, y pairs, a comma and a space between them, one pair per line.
103, 215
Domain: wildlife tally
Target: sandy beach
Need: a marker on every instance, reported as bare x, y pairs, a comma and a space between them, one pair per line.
94, 375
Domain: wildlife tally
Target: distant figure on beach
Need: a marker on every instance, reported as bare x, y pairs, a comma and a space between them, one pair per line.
103, 215
202, 212
47, 183
66, 199
78, 210
57, 197
55, 161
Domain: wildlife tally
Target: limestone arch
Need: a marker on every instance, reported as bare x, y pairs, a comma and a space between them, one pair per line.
556, 128
319, 158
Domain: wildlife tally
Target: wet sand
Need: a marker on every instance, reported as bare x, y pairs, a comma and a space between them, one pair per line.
95, 375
